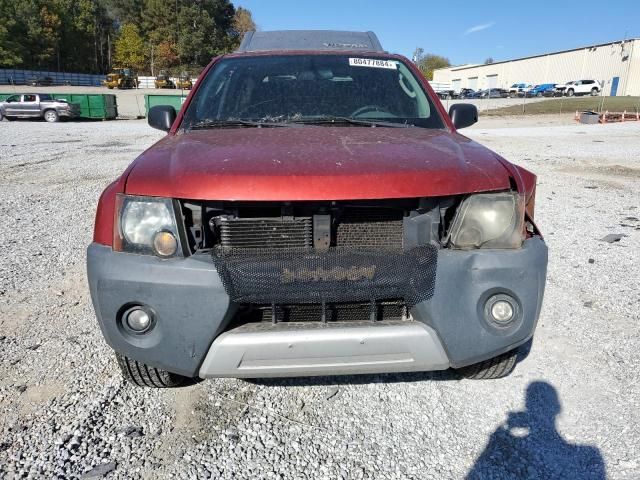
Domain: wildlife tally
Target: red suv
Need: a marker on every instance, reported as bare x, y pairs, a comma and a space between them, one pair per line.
313, 211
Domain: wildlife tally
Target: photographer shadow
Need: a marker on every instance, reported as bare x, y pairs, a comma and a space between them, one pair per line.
528, 445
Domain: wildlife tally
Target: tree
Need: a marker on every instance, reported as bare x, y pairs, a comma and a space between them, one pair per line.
242, 22
204, 30
159, 23
78, 35
130, 48
167, 55
429, 62
489, 61
125, 11
12, 36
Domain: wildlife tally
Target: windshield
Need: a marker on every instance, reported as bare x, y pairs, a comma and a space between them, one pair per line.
311, 88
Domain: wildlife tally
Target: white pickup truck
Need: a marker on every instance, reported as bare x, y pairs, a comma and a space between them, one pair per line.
33, 105
443, 89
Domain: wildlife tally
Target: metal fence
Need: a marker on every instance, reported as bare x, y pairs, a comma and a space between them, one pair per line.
148, 82
24, 77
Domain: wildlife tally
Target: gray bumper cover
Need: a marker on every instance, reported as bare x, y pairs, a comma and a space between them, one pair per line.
193, 309
324, 350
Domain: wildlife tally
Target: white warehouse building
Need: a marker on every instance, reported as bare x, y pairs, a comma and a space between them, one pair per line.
616, 65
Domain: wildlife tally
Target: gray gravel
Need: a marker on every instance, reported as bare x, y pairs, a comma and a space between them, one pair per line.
65, 412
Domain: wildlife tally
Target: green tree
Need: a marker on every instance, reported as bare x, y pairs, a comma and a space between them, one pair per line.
159, 23
204, 30
77, 46
11, 31
429, 62
129, 48
125, 11
90, 35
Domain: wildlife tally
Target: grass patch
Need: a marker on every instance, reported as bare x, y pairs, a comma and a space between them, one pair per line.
569, 105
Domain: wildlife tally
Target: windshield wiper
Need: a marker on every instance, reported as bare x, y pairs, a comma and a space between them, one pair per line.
352, 121
203, 124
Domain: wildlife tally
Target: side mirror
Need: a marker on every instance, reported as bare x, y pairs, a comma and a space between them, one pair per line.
463, 115
162, 117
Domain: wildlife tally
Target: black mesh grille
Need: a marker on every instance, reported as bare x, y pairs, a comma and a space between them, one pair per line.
335, 312
339, 274
370, 227
261, 233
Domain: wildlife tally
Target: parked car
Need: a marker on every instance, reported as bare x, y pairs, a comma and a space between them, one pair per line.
40, 81
443, 90
582, 87
519, 89
33, 105
313, 211
561, 88
490, 93
541, 90
466, 93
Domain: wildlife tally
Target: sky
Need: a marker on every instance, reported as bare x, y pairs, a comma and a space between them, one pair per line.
464, 32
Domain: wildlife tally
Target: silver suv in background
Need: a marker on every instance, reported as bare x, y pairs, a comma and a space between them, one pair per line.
33, 105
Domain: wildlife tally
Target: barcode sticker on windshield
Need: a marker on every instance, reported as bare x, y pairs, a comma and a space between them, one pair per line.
373, 63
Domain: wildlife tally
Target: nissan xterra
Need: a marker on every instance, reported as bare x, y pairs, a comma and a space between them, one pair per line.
313, 211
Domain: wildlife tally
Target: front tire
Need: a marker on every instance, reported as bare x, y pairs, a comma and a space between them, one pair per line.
570, 92
496, 367
594, 92
51, 116
143, 375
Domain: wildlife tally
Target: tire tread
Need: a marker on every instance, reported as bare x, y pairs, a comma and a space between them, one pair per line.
143, 375
496, 367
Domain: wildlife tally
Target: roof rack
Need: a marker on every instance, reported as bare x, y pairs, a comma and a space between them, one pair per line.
329, 40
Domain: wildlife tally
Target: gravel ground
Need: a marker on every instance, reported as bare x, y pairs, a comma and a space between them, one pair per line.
570, 410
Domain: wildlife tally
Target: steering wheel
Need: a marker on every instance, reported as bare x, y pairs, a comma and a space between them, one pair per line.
368, 108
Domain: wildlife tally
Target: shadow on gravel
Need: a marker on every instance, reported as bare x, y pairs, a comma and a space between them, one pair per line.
528, 445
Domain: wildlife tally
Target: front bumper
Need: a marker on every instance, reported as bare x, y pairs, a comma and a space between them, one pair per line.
193, 310
69, 113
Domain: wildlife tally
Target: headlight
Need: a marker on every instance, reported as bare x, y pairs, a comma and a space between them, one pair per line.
489, 220
146, 225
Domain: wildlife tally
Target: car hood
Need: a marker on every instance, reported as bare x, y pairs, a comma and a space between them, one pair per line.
315, 163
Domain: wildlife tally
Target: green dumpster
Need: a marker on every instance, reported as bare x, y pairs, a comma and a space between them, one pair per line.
151, 100
102, 106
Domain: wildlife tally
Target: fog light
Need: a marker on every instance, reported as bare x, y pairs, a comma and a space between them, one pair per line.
501, 309
138, 320
165, 244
